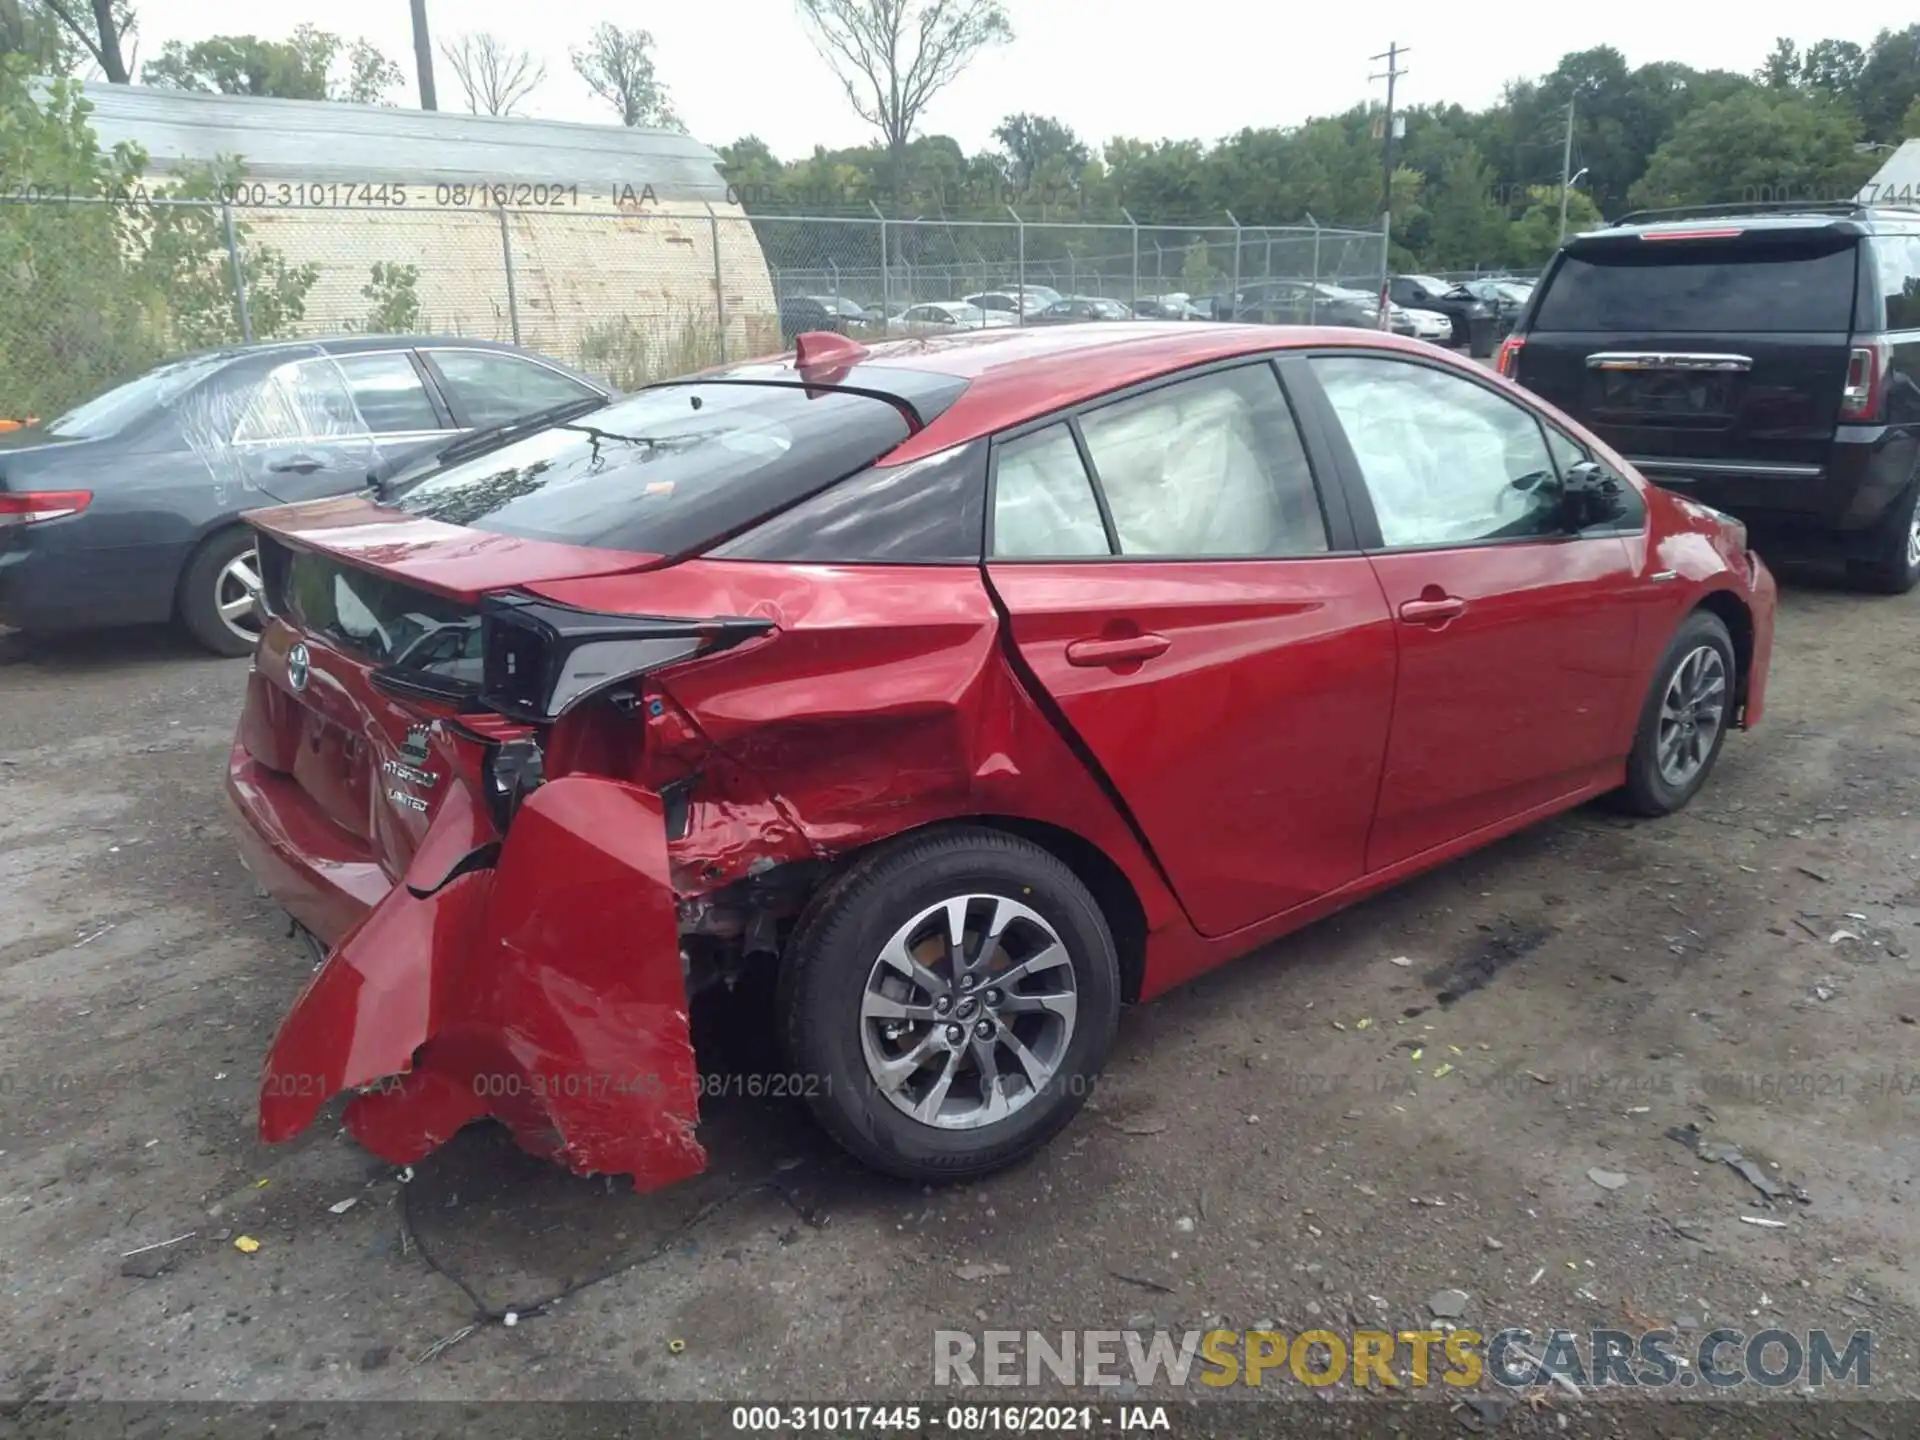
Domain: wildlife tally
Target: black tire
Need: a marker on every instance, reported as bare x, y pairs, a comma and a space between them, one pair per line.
1649, 791
835, 947
197, 604
1893, 568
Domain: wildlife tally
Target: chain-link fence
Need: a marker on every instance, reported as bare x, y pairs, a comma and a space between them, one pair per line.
92, 292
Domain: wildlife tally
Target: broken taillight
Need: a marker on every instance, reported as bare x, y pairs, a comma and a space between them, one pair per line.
34, 507
1866, 381
541, 659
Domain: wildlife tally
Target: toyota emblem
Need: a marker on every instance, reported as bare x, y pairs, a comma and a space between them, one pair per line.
299, 667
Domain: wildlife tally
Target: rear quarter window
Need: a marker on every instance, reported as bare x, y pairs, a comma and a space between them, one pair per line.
1672, 286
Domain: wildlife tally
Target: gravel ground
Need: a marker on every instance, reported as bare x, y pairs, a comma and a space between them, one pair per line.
1260, 1155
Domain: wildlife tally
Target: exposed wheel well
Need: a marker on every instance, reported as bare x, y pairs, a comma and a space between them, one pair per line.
1733, 613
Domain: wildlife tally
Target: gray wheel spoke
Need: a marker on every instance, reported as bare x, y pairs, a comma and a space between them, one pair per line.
1050, 958
892, 1074
1038, 1072
236, 609
1063, 1003
875, 1006
897, 957
928, 1110
245, 570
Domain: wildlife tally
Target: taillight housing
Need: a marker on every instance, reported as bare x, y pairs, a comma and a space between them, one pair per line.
1507, 361
1866, 381
36, 507
541, 659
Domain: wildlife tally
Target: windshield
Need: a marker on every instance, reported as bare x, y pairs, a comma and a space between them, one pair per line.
1716, 289
112, 412
668, 471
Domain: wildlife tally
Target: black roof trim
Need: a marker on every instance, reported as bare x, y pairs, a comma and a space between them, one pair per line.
924, 395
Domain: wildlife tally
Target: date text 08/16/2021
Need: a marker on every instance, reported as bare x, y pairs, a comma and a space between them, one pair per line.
856, 1419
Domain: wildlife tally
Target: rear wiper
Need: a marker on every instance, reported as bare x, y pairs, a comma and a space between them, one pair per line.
478, 442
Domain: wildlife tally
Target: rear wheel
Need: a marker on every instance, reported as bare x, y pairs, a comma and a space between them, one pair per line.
1685, 719
215, 603
1894, 566
950, 1001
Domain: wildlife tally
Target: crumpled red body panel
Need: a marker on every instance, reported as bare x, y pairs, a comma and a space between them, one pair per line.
545, 991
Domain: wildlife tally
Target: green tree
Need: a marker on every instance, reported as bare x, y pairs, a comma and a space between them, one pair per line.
618, 67
1467, 226
1759, 145
394, 291
893, 56
1041, 152
1910, 122
1888, 82
312, 64
1532, 239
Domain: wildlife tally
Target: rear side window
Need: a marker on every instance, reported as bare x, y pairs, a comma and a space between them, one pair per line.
1671, 286
488, 388
669, 471
1899, 261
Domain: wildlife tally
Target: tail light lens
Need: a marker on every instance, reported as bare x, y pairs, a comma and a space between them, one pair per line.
542, 659
1507, 362
1866, 381
34, 507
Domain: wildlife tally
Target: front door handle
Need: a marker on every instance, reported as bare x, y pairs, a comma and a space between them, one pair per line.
1433, 611
1127, 650
295, 465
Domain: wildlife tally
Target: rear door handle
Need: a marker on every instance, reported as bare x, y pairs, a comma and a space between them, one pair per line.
295, 465
1128, 650
1433, 612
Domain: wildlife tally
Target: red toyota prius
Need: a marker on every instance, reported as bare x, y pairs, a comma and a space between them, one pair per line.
975, 687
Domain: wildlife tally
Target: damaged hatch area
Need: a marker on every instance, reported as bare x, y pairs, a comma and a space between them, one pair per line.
546, 992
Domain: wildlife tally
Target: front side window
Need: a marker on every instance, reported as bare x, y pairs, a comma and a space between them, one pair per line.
1211, 466
1445, 461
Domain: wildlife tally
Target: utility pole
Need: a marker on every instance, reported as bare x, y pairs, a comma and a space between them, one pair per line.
1566, 171
1392, 73
423, 55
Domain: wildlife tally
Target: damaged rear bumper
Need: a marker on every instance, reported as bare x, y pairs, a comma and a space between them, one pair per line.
543, 989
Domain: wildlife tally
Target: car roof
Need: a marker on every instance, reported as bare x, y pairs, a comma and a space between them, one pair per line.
1016, 374
354, 344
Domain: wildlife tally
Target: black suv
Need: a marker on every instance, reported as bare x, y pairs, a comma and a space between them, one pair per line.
1763, 361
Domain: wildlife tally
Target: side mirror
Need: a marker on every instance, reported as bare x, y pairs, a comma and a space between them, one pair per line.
1590, 495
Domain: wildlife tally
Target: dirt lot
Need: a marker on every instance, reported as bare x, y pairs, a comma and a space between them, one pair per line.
1259, 1157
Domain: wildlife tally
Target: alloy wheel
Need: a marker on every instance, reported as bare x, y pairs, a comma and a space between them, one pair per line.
1913, 540
1692, 713
233, 595
968, 1013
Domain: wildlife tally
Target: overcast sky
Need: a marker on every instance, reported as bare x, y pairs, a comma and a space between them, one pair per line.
1145, 68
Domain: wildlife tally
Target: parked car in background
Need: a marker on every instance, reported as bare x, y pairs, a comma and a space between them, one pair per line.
935, 315
1428, 325
800, 314
1766, 361
1045, 294
1306, 302
1168, 307
1074, 309
1004, 627
1504, 298
851, 313
1462, 309
1012, 303
126, 510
